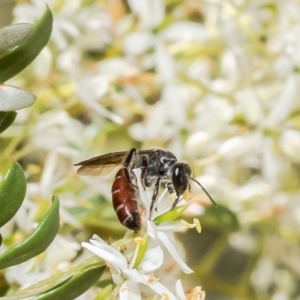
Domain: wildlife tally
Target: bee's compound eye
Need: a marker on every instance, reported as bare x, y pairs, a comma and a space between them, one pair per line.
180, 176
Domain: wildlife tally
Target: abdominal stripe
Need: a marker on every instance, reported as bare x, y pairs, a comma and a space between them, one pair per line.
119, 207
115, 191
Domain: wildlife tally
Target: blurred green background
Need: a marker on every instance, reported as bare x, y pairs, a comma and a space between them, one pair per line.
215, 82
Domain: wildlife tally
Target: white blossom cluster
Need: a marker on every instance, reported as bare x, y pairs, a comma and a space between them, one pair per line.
215, 82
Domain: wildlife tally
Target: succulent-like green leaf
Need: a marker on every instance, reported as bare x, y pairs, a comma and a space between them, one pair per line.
6, 119
13, 35
14, 61
60, 279
13, 98
74, 287
36, 243
12, 192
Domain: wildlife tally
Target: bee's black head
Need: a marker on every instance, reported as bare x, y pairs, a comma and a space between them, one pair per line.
180, 176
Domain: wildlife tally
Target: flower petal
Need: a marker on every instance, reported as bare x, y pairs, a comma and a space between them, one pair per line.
108, 248
153, 259
129, 291
115, 275
150, 12
134, 275
118, 261
155, 285
171, 248
179, 290
285, 102
144, 194
151, 229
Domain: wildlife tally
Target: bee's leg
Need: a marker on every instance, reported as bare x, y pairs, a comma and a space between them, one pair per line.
155, 193
128, 164
143, 161
130, 177
170, 187
130, 158
171, 190
175, 202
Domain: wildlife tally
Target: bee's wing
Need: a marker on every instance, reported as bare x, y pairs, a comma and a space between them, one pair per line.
94, 170
100, 165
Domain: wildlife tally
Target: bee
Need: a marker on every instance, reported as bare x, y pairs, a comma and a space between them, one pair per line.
157, 165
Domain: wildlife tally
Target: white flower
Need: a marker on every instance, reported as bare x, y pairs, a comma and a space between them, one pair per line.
185, 31
195, 142
155, 125
290, 144
250, 105
171, 97
238, 146
107, 253
165, 64
92, 88
285, 103
130, 288
55, 131
63, 26
150, 12
137, 43
164, 232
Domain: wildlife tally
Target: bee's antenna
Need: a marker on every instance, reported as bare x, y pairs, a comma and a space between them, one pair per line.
205, 191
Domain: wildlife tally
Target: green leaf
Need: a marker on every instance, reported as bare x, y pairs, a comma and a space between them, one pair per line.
14, 61
13, 98
74, 287
38, 242
12, 192
58, 280
6, 119
13, 35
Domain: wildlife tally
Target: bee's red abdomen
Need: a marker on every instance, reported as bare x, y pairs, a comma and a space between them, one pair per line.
124, 199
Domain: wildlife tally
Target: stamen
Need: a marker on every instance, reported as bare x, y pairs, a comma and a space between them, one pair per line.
196, 293
165, 296
152, 279
197, 225
187, 224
